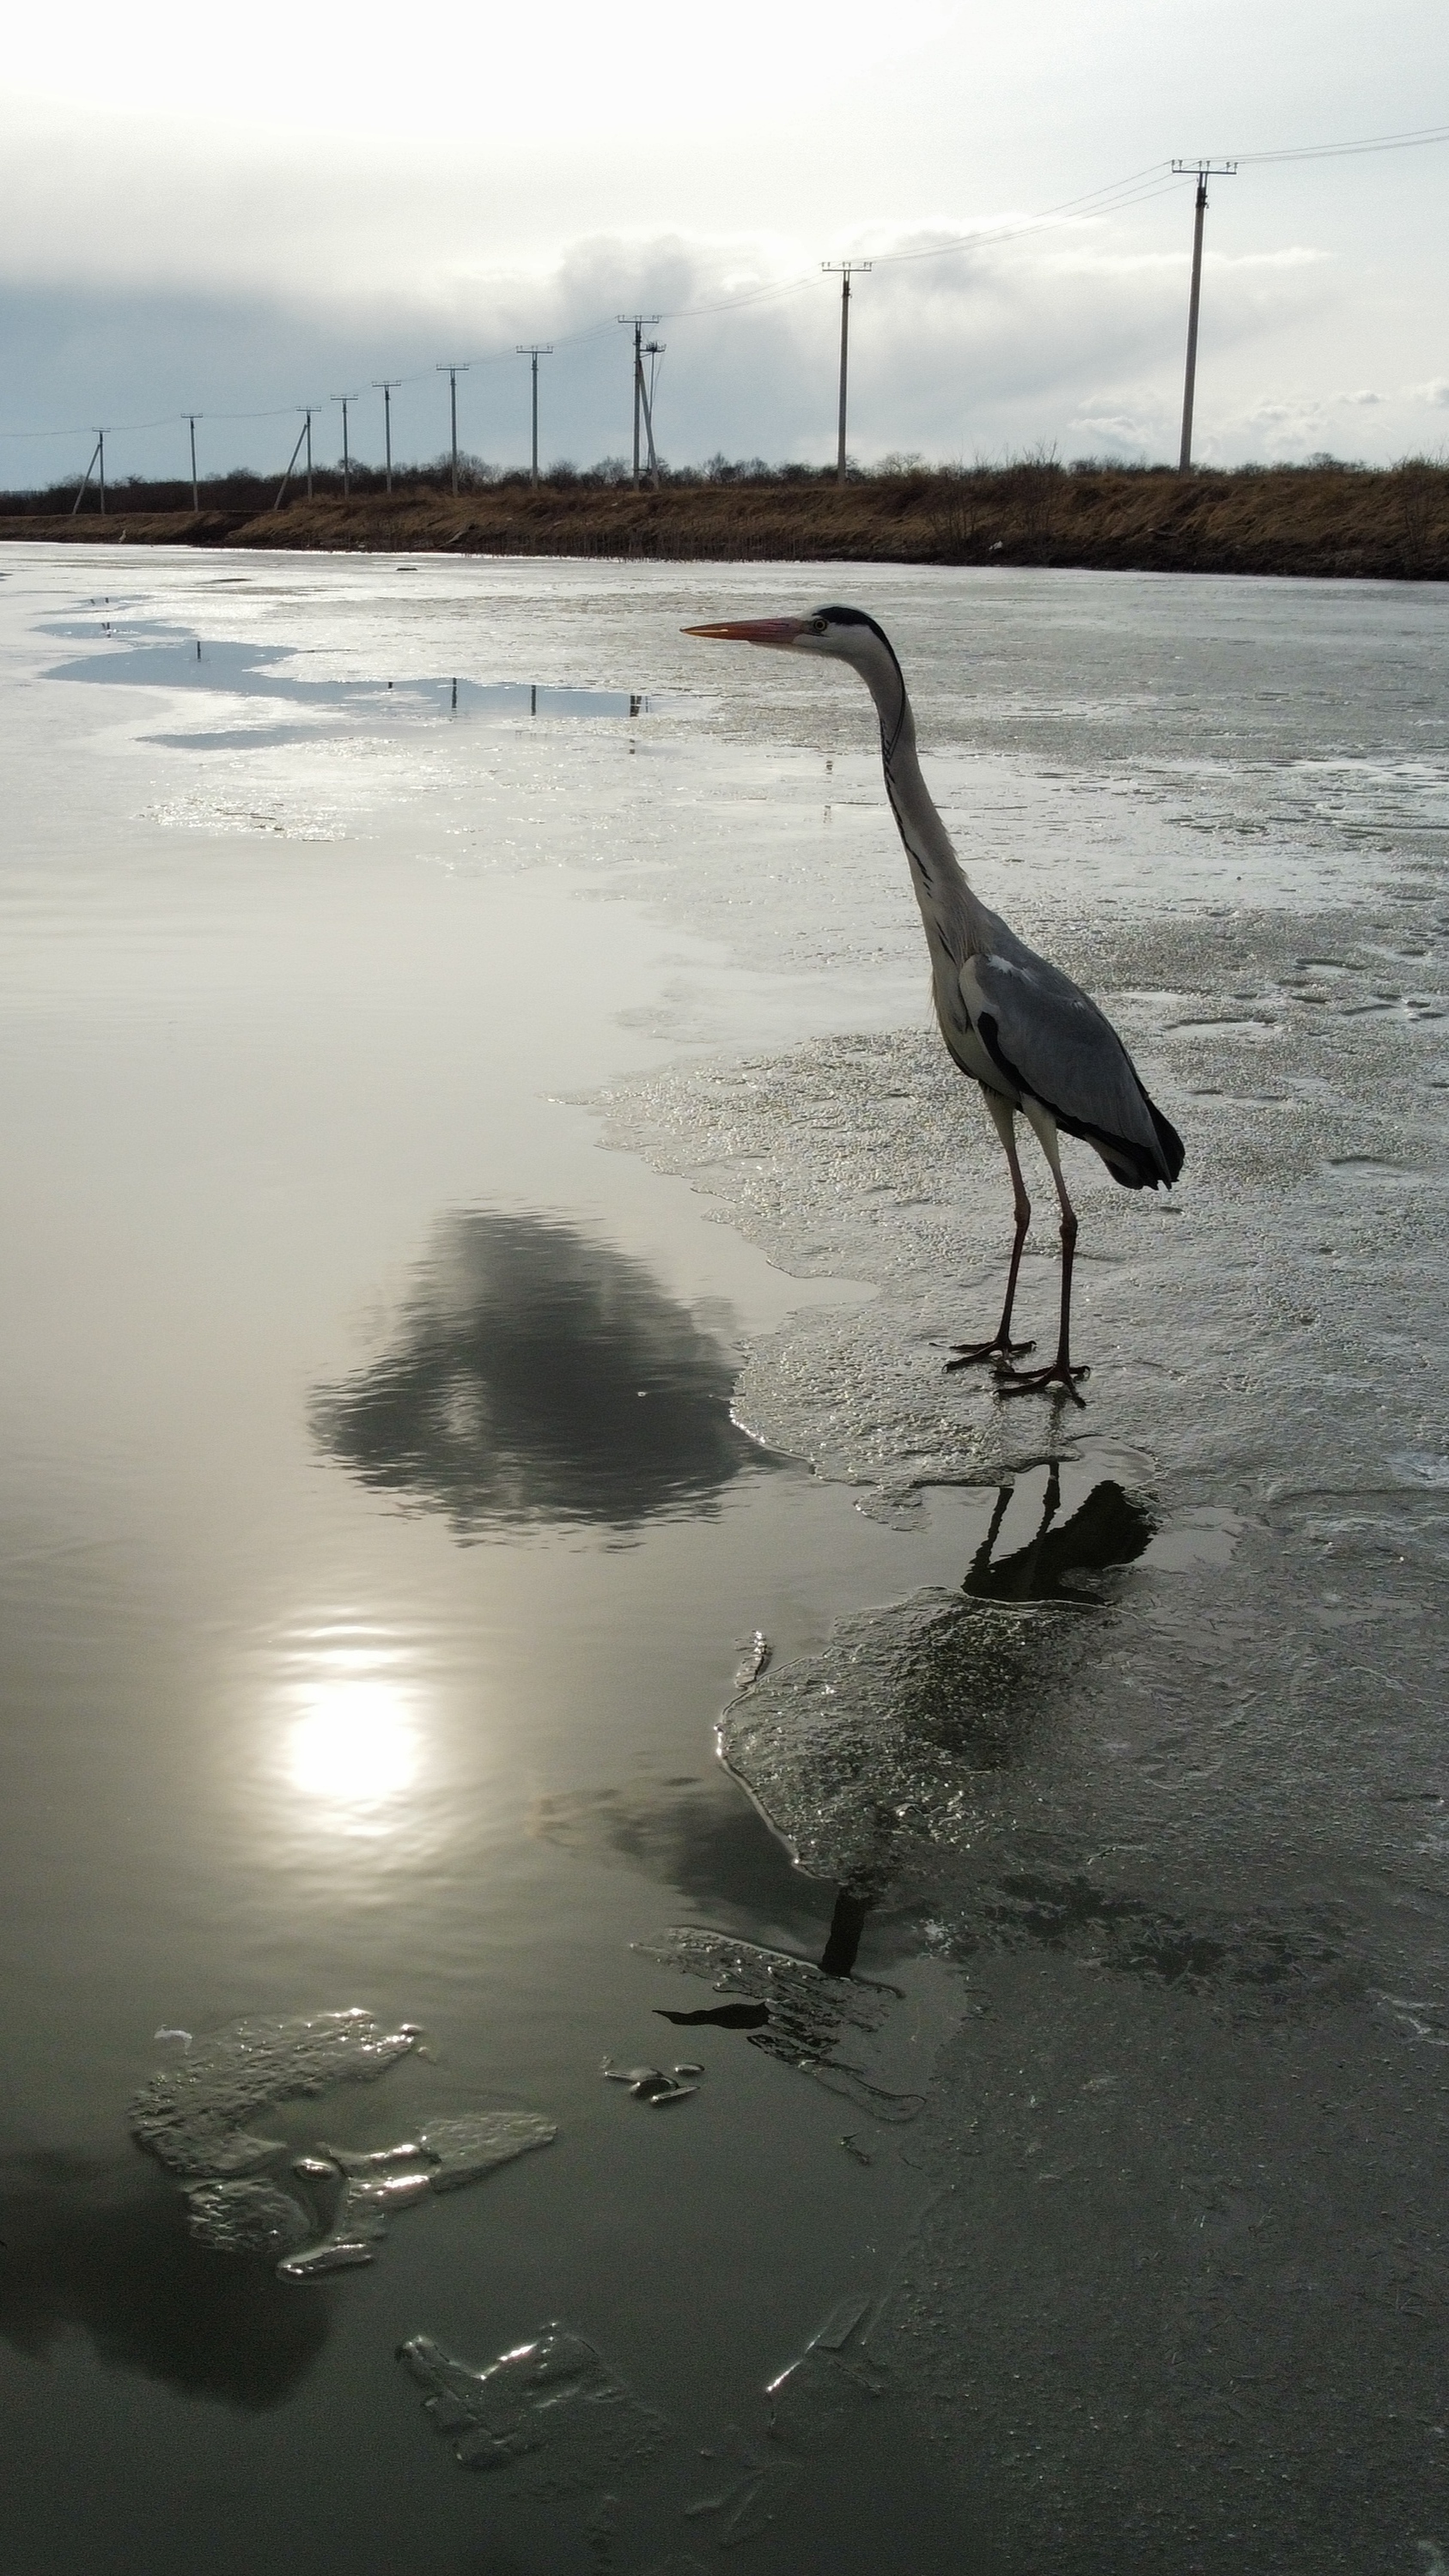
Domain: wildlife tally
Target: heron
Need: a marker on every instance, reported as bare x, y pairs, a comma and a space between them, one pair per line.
1035, 1042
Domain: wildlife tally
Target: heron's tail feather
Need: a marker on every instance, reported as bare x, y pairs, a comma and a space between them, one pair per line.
1135, 1163
1174, 1153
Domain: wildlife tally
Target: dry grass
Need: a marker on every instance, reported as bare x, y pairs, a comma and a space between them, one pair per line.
1316, 519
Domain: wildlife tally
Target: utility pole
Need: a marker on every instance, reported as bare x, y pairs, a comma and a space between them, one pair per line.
344, 399
653, 350
304, 432
99, 450
193, 418
639, 323
842, 268
1202, 171
385, 386
534, 350
453, 372
309, 452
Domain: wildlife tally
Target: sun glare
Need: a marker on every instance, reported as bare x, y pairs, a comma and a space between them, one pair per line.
355, 1742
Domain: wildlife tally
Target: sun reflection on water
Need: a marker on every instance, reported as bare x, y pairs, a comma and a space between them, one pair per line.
354, 1744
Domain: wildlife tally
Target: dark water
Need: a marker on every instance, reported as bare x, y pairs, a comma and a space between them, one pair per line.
1030, 2152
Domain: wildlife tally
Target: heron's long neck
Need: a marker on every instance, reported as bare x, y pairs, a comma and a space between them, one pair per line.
951, 912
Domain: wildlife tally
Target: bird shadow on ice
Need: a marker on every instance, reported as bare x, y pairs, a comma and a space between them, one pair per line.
540, 1376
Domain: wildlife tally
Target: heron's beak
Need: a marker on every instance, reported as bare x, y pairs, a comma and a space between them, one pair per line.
752, 630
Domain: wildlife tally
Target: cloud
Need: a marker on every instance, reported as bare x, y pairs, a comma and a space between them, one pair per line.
1039, 338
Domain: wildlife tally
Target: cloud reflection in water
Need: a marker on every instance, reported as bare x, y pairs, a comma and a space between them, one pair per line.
540, 1375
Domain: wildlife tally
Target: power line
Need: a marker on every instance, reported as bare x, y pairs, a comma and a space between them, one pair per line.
1412, 141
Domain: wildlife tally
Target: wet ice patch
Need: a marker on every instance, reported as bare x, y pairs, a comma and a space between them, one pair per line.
279, 817
831, 2028
552, 2409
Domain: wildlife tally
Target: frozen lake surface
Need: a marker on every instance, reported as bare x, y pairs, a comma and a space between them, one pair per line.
814, 1970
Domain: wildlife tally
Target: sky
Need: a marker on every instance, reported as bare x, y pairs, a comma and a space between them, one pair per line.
240, 213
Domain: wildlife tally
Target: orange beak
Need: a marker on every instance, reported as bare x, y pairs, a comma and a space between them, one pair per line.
752, 630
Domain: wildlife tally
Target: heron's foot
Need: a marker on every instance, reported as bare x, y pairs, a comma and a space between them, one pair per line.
1037, 1381
999, 1349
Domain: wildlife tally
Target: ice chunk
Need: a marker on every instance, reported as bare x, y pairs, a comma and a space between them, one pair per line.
372, 2187
246, 2218
814, 2399
889, 1736
810, 2017
754, 2480
461, 2149
551, 2408
753, 1661
650, 2083
446, 2155
192, 2115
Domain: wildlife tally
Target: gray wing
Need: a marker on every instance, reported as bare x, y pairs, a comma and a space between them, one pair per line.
1051, 1040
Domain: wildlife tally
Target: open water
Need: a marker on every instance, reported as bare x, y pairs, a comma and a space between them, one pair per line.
641, 1934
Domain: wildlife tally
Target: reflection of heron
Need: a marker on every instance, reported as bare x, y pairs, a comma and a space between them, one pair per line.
1018, 1026
1109, 1528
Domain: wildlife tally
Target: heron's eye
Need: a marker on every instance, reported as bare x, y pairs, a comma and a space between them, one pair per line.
819, 625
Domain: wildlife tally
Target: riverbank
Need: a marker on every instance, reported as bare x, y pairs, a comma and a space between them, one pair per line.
1330, 521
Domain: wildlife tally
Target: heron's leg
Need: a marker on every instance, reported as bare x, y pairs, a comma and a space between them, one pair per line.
1001, 1346
1061, 1372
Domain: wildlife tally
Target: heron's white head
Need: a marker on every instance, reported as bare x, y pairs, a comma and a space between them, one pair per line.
837, 634
840, 634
